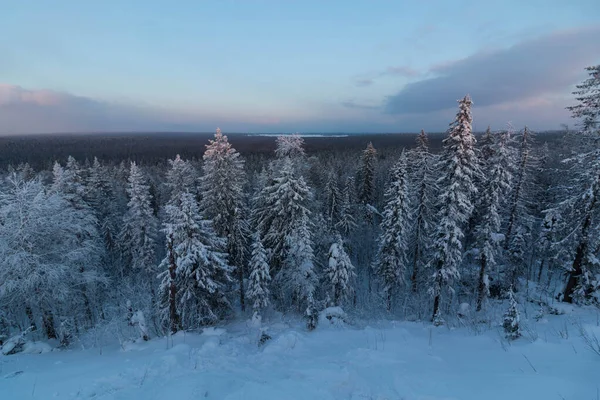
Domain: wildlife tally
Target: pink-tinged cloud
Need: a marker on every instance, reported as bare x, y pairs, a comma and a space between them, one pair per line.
25, 111
12, 94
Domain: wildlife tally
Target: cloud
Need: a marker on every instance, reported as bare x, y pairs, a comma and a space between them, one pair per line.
548, 65
354, 105
401, 71
364, 82
43, 111
394, 71
24, 111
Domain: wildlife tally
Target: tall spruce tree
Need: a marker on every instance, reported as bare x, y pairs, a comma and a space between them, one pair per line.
180, 181
366, 176
422, 172
339, 272
139, 231
587, 109
347, 222
458, 165
519, 191
586, 202
283, 204
391, 263
101, 197
201, 273
297, 278
260, 277
488, 231
333, 202
223, 200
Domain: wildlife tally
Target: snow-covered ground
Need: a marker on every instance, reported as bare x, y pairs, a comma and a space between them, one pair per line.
384, 360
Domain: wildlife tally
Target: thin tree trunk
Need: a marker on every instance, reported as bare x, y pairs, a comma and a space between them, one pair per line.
48, 321
389, 300
481, 288
539, 277
575, 273
436, 300
415, 272
173, 315
577, 267
29, 314
241, 279
436, 307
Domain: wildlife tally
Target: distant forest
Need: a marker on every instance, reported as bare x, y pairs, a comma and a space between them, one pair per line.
41, 151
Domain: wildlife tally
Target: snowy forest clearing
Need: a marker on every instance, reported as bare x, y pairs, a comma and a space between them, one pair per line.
379, 360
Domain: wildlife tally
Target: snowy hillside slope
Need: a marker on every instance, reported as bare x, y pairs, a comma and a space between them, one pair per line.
384, 360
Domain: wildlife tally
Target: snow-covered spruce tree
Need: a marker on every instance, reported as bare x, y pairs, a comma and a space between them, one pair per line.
223, 202
168, 275
283, 204
139, 231
549, 242
486, 145
101, 197
521, 218
179, 180
458, 166
333, 202
297, 279
201, 267
24, 171
366, 176
544, 199
290, 146
516, 206
70, 184
347, 222
487, 232
43, 243
421, 167
511, 326
339, 272
260, 277
391, 263
484, 151
587, 111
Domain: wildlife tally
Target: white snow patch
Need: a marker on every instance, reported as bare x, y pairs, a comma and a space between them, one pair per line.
386, 360
36, 348
212, 331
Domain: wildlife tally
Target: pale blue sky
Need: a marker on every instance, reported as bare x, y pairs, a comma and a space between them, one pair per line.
276, 65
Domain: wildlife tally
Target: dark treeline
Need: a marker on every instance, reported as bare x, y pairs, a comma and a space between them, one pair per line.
41, 151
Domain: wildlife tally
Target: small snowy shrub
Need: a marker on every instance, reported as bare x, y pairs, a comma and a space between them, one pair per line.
511, 326
333, 316
136, 318
437, 319
264, 338
15, 344
311, 314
